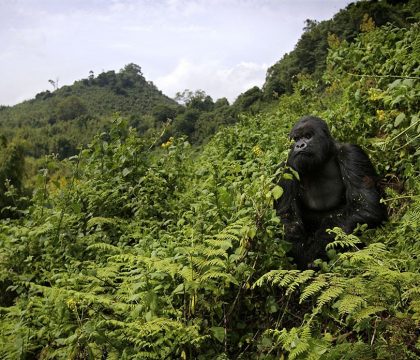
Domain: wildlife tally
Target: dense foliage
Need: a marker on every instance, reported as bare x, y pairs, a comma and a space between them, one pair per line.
131, 252
310, 53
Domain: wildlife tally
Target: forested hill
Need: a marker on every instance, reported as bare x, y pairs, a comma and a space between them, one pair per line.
62, 120
310, 53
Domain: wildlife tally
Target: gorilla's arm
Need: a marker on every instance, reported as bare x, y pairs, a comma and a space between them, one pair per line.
288, 210
362, 196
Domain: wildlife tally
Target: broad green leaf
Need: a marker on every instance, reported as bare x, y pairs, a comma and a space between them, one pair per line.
277, 192
218, 332
399, 119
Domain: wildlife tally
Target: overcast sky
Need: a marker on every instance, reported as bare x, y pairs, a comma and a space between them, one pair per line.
223, 47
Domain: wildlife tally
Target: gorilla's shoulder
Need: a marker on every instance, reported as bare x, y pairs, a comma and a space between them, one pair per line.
354, 160
349, 149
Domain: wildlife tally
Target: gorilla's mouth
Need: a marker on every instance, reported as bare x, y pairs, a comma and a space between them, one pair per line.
303, 153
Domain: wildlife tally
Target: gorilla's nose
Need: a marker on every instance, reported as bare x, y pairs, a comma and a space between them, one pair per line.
300, 145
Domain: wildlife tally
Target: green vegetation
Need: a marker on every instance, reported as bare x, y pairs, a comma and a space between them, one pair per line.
129, 250
61, 121
67, 119
310, 53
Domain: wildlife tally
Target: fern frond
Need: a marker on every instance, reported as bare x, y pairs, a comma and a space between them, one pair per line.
350, 241
415, 308
188, 274
212, 263
302, 345
313, 288
223, 243
277, 277
329, 295
367, 312
100, 221
288, 278
214, 252
368, 255
107, 248
349, 303
218, 275
413, 293
301, 279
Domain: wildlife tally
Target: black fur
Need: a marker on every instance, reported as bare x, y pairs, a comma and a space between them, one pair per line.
337, 187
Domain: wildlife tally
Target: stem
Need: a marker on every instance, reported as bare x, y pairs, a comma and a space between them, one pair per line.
225, 326
158, 137
44, 199
401, 197
240, 288
402, 132
384, 76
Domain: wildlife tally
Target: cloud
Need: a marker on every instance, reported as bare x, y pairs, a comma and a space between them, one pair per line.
216, 79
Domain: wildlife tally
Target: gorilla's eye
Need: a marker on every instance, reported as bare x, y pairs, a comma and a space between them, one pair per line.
305, 136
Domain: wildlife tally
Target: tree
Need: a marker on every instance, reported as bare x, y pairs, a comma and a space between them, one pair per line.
70, 108
130, 75
185, 123
195, 100
106, 78
65, 147
54, 83
250, 100
162, 113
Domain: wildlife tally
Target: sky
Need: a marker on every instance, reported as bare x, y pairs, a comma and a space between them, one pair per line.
223, 47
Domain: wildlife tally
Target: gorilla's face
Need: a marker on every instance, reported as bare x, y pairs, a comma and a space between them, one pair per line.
312, 147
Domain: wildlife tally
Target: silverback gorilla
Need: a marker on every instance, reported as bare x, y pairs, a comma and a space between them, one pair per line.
336, 187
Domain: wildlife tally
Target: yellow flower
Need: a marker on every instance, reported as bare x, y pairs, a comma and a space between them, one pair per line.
72, 304
168, 143
380, 114
375, 94
257, 150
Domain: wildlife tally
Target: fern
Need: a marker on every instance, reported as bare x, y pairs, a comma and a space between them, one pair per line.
330, 294
343, 241
367, 312
106, 248
301, 279
316, 286
296, 341
349, 303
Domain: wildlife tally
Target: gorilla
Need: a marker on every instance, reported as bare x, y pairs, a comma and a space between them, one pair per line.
336, 186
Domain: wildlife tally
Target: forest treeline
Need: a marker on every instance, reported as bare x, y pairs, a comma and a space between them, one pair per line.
155, 242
